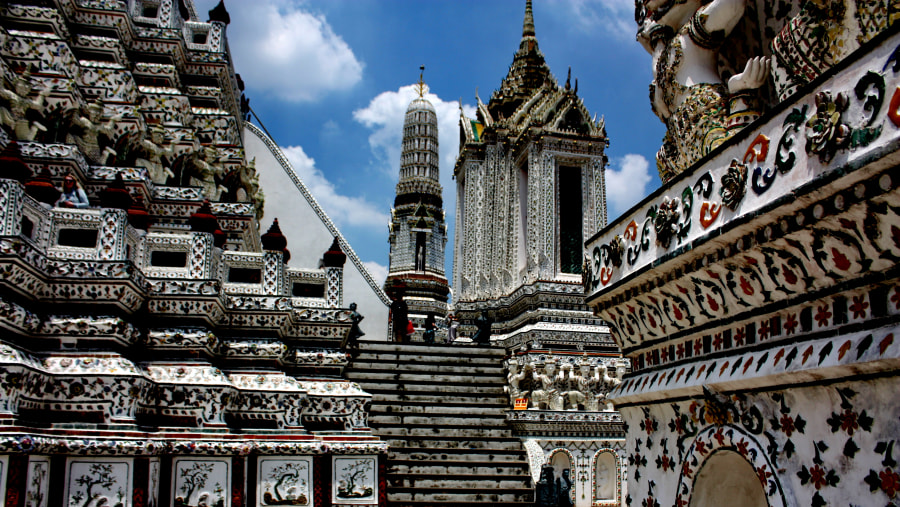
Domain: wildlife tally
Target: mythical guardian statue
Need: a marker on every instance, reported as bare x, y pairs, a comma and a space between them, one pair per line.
700, 111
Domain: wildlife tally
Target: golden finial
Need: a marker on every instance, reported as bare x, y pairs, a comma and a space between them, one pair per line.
421, 87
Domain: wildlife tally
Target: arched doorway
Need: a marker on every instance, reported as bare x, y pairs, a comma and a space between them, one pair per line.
726, 478
562, 461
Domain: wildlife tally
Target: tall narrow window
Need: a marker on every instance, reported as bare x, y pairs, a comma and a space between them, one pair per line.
523, 217
420, 251
570, 221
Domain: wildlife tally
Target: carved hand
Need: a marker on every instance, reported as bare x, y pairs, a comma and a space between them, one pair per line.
753, 77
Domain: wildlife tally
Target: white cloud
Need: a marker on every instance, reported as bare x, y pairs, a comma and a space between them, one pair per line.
384, 116
378, 272
344, 210
626, 185
615, 17
288, 51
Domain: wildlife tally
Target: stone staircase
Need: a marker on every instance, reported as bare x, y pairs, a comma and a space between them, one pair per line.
441, 410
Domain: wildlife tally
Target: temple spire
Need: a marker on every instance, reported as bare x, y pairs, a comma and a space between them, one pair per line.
528, 26
421, 87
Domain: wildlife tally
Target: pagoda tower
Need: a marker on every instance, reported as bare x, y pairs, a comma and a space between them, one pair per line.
530, 189
418, 233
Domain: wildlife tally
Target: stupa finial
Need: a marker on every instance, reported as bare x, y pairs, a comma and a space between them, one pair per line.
528, 27
421, 87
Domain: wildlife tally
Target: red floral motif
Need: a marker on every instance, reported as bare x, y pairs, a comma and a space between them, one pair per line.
648, 425
787, 425
742, 447
849, 422
720, 437
890, 482
817, 476
679, 351
686, 470
698, 347
667, 463
701, 447
790, 324
823, 316
763, 475
665, 354
764, 330
859, 307
739, 336
679, 502
648, 358
717, 341
679, 426
896, 297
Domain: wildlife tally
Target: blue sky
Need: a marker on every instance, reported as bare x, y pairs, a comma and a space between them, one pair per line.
331, 79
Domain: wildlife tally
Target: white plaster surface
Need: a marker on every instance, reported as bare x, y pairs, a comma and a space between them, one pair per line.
309, 236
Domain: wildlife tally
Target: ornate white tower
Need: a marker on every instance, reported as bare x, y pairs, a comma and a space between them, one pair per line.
530, 191
418, 233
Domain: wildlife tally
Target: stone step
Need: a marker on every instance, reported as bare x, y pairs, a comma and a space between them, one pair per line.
395, 397
372, 366
432, 503
439, 432
463, 410
445, 443
442, 412
450, 420
486, 468
444, 378
403, 455
386, 348
442, 496
420, 387
458, 482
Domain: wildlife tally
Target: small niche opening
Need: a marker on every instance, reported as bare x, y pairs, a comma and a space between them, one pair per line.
308, 290
27, 228
79, 238
244, 275
165, 259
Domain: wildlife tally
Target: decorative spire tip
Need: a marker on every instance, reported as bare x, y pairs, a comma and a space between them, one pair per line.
528, 26
421, 87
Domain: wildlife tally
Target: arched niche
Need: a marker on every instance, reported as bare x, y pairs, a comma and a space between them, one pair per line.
606, 478
732, 456
728, 479
562, 459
